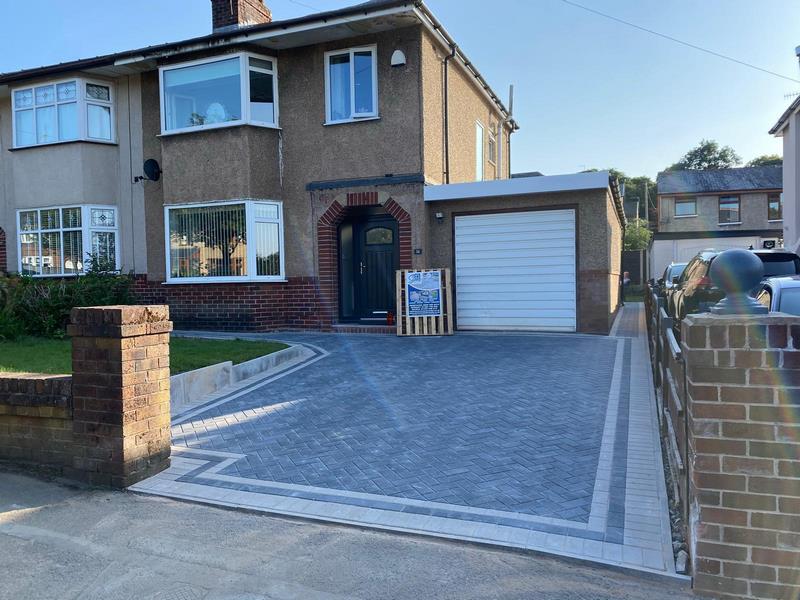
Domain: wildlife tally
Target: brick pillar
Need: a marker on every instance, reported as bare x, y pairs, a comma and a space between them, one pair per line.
120, 390
744, 454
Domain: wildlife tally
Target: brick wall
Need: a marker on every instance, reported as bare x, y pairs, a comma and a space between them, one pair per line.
109, 423
36, 418
743, 406
238, 306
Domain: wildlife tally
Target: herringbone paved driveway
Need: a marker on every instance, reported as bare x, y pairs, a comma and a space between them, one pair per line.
511, 423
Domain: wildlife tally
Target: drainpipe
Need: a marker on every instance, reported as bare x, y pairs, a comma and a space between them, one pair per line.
446, 95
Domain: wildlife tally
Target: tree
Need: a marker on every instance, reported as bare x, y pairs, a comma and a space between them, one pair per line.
766, 160
640, 189
637, 235
708, 154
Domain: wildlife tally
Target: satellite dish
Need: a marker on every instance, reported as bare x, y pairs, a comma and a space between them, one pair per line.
152, 170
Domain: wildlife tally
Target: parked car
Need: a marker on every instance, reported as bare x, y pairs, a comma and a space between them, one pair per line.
694, 291
781, 294
664, 284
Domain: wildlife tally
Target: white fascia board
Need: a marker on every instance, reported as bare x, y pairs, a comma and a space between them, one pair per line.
518, 186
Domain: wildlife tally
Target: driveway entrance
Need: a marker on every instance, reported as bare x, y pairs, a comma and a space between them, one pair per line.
538, 441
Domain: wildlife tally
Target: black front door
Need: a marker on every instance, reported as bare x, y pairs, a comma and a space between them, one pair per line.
371, 270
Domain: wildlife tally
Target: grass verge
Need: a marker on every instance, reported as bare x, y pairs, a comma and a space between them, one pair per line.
42, 355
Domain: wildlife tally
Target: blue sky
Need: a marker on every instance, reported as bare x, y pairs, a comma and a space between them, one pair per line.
589, 92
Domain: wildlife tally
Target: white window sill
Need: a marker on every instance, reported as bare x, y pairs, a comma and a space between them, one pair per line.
220, 280
346, 121
63, 142
228, 125
775, 221
727, 224
686, 216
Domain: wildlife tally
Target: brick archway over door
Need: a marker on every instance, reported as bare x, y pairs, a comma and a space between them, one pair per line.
328, 246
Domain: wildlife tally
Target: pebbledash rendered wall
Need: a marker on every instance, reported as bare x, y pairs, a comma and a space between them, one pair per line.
108, 423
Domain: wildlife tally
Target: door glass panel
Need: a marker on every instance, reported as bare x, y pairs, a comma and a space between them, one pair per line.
379, 235
346, 271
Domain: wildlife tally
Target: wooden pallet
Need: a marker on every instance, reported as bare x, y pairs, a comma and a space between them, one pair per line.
441, 325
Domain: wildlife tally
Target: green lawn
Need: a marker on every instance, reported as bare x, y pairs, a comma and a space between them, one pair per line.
40, 355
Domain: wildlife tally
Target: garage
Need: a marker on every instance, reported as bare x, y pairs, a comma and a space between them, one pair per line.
530, 253
516, 270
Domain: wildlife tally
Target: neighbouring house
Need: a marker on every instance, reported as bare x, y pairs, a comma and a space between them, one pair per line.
788, 128
720, 209
292, 167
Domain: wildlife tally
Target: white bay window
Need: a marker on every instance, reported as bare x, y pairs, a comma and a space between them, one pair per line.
225, 241
63, 111
61, 241
351, 84
219, 92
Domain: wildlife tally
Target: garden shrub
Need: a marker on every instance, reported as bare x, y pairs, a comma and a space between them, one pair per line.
41, 307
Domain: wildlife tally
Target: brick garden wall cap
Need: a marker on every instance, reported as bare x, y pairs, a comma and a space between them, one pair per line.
707, 319
35, 389
119, 314
119, 321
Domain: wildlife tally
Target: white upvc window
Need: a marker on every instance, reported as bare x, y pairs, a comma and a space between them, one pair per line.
479, 156
351, 85
67, 240
224, 91
237, 240
63, 111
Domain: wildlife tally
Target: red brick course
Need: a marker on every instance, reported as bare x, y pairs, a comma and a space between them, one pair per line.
743, 381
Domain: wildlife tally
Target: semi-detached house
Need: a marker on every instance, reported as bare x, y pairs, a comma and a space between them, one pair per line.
299, 164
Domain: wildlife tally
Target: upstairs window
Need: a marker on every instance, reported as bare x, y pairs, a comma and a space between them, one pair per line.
63, 111
775, 207
686, 207
64, 240
729, 210
351, 84
220, 92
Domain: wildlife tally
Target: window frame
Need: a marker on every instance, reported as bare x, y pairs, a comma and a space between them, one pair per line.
730, 198
86, 230
252, 262
780, 207
677, 201
82, 101
480, 151
244, 87
354, 118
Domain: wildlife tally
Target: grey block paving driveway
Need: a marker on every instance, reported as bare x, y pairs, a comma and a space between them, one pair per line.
521, 440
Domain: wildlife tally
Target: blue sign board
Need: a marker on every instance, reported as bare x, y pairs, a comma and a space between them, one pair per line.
424, 293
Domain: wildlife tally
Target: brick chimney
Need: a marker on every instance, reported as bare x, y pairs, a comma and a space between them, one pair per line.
233, 14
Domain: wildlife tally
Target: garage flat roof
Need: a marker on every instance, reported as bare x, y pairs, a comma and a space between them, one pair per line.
519, 186
597, 180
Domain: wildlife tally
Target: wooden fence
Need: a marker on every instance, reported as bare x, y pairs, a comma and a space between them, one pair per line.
669, 374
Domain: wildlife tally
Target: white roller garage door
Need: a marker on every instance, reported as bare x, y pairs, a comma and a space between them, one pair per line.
516, 271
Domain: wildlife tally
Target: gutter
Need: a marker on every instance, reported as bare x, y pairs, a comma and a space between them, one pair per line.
238, 36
